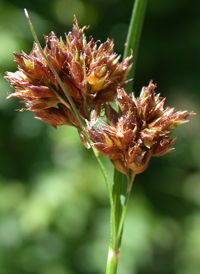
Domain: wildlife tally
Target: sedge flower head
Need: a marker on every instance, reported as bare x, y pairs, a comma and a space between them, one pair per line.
142, 128
89, 72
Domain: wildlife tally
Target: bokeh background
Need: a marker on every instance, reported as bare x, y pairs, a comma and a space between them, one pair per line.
54, 207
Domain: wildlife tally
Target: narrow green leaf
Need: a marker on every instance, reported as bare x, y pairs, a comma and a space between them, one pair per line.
134, 35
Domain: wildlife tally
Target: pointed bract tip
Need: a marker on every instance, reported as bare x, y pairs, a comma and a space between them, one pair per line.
26, 13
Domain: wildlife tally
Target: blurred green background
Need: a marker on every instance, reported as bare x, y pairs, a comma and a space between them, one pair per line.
54, 208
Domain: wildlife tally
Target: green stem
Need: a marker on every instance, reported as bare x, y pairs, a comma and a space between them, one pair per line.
62, 100
120, 205
121, 222
119, 197
134, 35
112, 215
73, 107
113, 257
122, 184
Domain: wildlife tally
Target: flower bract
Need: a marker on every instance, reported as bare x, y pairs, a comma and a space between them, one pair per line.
142, 128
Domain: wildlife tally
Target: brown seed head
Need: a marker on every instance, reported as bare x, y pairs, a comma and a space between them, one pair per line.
89, 73
141, 129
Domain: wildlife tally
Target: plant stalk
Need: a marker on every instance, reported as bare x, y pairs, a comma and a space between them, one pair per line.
133, 37
122, 184
120, 194
113, 257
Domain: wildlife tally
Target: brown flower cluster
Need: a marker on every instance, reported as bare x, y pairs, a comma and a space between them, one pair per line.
94, 77
89, 73
140, 130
